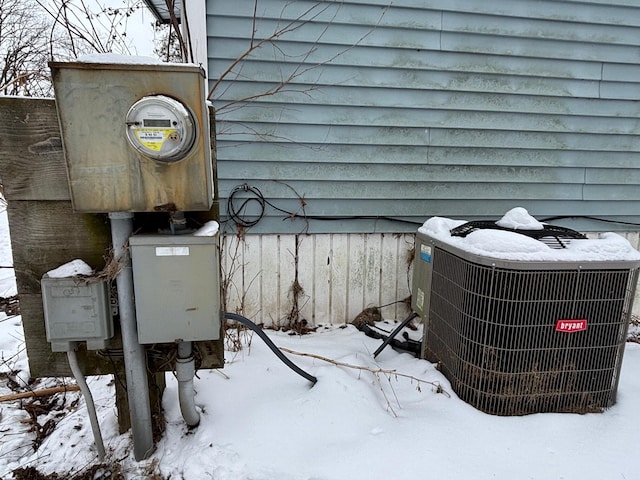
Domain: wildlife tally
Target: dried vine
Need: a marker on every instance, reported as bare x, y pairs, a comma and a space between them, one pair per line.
388, 374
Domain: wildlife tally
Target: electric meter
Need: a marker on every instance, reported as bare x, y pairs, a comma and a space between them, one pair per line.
161, 128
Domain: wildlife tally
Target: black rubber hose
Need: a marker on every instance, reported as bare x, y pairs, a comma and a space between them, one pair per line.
394, 333
248, 323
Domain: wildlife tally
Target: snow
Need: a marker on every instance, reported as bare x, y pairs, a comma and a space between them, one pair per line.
209, 229
7, 278
71, 269
608, 247
119, 59
519, 218
261, 421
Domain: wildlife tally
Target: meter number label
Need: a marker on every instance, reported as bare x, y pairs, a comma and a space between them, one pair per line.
154, 139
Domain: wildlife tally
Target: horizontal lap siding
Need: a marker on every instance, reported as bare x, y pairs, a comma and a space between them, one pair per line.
421, 108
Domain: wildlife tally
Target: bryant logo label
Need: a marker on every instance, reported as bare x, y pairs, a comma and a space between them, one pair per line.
571, 325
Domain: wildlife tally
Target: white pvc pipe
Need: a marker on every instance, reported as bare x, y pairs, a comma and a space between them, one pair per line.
185, 372
88, 398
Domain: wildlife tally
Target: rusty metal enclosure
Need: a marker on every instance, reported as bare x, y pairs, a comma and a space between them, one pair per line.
105, 173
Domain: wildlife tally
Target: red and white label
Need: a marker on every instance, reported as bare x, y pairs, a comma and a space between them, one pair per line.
571, 326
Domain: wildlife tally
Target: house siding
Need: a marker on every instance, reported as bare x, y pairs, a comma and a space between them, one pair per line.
415, 109
393, 112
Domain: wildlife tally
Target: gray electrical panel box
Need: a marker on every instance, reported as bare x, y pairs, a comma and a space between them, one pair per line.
176, 281
76, 311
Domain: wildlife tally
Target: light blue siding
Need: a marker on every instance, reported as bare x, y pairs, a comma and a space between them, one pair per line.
418, 108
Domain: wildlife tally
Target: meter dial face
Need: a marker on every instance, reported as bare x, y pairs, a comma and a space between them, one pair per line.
161, 128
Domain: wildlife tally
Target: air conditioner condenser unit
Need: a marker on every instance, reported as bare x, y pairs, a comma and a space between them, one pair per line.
519, 327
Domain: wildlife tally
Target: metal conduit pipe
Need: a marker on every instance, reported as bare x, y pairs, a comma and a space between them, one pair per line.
88, 398
185, 372
135, 361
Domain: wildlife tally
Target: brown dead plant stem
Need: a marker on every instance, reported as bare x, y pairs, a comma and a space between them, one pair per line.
39, 393
307, 17
377, 373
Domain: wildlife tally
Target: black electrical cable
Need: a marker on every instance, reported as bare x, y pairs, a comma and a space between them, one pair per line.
394, 333
365, 217
237, 214
248, 323
588, 217
239, 217
409, 345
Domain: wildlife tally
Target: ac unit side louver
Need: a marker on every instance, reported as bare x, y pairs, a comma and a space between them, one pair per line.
520, 337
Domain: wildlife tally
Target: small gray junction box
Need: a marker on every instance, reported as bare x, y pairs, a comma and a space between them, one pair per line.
176, 280
76, 311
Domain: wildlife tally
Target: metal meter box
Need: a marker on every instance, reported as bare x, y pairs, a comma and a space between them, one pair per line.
176, 281
76, 311
135, 136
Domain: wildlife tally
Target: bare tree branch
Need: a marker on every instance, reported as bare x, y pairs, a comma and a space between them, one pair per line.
23, 49
289, 27
302, 66
62, 29
39, 393
377, 373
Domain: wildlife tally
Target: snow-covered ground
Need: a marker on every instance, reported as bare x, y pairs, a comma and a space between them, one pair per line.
261, 421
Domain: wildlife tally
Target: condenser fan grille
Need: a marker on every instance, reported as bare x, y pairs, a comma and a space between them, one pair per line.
552, 235
496, 333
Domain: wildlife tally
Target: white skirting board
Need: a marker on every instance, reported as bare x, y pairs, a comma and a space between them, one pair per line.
338, 276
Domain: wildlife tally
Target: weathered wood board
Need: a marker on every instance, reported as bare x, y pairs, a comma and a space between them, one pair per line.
32, 162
